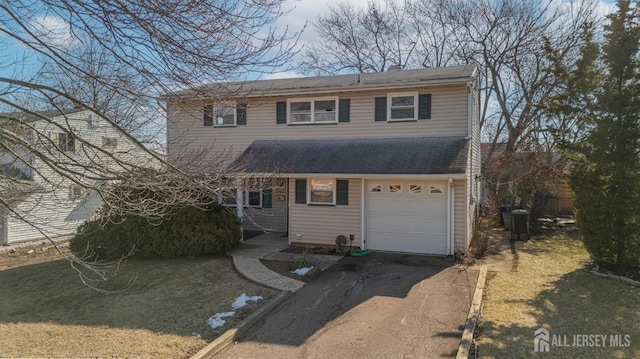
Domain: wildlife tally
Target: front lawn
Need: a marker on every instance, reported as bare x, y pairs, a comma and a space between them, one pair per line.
549, 289
46, 311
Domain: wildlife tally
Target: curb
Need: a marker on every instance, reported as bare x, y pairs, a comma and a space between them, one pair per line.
241, 329
472, 318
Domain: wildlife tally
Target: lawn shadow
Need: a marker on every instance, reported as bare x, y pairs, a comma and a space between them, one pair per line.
171, 296
578, 303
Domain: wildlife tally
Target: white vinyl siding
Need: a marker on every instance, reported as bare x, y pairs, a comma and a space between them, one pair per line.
320, 225
185, 132
51, 208
460, 226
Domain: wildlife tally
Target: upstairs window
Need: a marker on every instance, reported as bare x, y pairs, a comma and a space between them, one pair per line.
65, 141
225, 115
313, 111
402, 107
398, 107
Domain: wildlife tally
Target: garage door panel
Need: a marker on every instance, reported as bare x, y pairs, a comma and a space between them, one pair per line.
406, 222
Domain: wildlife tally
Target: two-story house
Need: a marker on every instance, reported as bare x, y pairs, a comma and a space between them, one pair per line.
390, 160
49, 172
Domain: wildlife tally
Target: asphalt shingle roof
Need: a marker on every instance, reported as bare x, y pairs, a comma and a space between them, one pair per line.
350, 82
422, 155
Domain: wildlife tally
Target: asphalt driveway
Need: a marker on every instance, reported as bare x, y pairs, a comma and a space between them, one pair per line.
378, 306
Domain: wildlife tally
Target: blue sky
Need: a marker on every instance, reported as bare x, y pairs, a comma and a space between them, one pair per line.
301, 12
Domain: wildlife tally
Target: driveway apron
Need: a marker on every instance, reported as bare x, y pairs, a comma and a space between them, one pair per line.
378, 306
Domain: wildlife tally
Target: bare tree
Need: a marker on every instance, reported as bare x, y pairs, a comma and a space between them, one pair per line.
505, 38
117, 58
361, 39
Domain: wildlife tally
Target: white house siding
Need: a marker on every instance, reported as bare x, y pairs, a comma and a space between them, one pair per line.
272, 219
320, 225
51, 209
185, 130
460, 221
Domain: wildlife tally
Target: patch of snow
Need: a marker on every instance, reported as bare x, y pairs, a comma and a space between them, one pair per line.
302, 271
197, 335
216, 321
242, 300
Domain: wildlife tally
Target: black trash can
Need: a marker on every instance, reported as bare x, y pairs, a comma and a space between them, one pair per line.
519, 223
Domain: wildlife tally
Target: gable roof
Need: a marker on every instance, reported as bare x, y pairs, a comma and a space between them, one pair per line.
420, 155
337, 83
37, 115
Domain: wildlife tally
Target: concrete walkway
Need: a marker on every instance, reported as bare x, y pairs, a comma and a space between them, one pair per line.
246, 258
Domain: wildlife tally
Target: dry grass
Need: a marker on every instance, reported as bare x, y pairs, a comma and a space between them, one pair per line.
45, 311
550, 289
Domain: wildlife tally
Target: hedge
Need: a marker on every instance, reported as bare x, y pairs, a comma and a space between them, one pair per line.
190, 232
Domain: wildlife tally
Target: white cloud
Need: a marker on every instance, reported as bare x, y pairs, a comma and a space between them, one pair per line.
54, 30
280, 75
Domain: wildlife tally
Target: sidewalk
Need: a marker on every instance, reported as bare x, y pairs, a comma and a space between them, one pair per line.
246, 258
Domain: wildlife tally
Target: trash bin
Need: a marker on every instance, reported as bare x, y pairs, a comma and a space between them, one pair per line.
519, 223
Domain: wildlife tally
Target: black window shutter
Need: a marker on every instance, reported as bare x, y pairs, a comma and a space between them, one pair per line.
281, 112
241, 114
208, 115
345, 108
381, 108
301, 191
424, 106
342, 192
266, 198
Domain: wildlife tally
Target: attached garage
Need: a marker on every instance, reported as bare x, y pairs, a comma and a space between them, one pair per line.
387, 194
406, 216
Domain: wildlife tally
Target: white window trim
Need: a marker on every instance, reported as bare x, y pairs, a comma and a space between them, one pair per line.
333, 203
55, 138
245, 200
403, 94
234, 105
312, 100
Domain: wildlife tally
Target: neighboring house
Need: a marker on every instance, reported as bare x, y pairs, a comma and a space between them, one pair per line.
42, 202
390, 160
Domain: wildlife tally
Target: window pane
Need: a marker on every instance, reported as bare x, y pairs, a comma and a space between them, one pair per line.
300, 117
301, 106
225, 115
229, 198
415, 188
254, 199
401, 113
395, 188
325, 105
325, 117
402, 101
321, 191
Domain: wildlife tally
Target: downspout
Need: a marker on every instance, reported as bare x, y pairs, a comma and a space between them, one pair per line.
363, 234
449, 219
240, 210
453, 218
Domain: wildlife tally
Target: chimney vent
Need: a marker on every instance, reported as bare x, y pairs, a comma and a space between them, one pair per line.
395, 68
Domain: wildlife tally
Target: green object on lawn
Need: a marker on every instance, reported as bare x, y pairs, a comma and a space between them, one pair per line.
359, 252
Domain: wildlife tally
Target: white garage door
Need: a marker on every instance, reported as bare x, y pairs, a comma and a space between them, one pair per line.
406, 216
